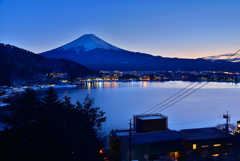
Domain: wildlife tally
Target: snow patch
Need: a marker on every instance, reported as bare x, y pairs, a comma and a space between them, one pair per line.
11, 92
53, 86
88, 42
4, 104
150, 117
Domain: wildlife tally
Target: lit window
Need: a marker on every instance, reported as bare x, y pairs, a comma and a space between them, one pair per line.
215, 155
239, 125
204, 146
217, 145
230, 143
194, 146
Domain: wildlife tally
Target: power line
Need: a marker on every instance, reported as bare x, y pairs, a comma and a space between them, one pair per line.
117, 125
192, 87
194, 82
185, 91
189, 93
174, 98
225, 61
168, 98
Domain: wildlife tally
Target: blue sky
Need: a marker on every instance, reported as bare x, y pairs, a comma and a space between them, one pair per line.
169, 28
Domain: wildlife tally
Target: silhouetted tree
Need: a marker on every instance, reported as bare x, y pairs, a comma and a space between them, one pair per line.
51, 129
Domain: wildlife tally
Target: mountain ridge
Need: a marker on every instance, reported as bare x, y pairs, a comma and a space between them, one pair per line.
85, 43
123, 60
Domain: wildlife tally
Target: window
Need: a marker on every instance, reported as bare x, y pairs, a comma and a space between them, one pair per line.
194, 146
215, 155
204, 146
215, 145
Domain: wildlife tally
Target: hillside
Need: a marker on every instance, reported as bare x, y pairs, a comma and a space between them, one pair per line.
19, 65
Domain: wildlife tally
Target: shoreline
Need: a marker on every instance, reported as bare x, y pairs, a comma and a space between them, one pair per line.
10, 92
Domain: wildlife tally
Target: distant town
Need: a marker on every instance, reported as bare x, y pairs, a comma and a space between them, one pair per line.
214, 76
59, 80
64, 79
171, 76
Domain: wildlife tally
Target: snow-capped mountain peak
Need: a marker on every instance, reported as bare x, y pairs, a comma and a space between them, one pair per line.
88, 42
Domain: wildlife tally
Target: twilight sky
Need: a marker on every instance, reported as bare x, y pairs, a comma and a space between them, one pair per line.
169, 28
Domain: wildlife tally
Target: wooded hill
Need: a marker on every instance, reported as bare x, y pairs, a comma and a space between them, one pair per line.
18, 65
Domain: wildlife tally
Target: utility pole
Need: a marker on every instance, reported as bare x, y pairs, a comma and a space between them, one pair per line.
130, 141
227, 117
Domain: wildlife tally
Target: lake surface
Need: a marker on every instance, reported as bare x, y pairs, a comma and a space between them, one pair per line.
122, 100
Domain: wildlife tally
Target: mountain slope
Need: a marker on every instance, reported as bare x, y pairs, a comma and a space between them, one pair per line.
96, 54
228, 57
21, 65
88, 42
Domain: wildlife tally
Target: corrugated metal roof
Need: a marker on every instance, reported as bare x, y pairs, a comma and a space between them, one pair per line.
203, 133
154, 137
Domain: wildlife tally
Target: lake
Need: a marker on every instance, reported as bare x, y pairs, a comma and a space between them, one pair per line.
122, 100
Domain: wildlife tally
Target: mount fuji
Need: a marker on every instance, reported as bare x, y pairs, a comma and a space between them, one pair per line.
88, 42
97, 54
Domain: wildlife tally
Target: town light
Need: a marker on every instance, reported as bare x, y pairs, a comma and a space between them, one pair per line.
215, 155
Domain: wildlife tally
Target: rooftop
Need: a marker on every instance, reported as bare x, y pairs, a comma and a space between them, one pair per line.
202, 133
151, 116
154, 137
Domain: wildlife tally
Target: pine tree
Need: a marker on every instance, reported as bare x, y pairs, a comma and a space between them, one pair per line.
52, 129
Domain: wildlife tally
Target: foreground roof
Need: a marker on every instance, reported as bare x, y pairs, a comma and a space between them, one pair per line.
154, 137
202, 134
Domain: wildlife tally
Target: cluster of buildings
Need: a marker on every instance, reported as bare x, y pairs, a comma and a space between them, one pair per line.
216, 76
149, 139
171, 75
63, 78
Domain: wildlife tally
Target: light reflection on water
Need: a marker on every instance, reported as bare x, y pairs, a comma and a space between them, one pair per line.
121, 100
170, 84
